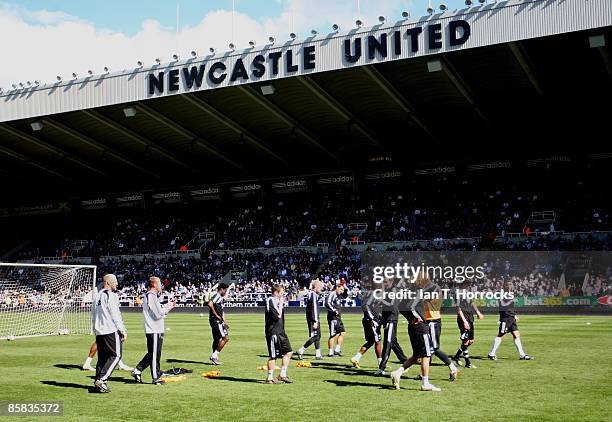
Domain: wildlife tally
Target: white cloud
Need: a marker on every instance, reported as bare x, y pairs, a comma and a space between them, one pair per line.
42, 44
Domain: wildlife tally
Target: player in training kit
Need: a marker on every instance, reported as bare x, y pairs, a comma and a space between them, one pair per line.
421, 342
110, 332
312, 320
276, 338
371, 331
154, 314
434, 320
508, 324
334, 320
389, 322
218, 323
94, 349
465, 321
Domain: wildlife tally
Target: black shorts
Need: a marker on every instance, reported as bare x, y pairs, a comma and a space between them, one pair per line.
466, 334
435, 329
507, 325
278, 345
371, 333
219, 329
420, 340
335, 326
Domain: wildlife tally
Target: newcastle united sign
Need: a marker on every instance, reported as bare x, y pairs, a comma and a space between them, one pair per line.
376, 47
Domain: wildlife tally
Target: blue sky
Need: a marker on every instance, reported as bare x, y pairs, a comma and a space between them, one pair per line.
79, 35
126, 16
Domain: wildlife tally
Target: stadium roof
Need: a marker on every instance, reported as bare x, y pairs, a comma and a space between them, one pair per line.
515, 78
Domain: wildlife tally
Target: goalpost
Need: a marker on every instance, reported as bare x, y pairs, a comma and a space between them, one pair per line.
45, 299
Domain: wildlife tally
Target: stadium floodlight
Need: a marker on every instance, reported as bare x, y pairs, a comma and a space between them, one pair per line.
232, 46
314, 32
468, 2
430, 10
158, 61
36, 125
268, 89
442, 7
252, 43
175, 57
211, 50
405, 15
271, 40
335, 27
140, 64
434, 65
75, 76
194, 54
597, 41
293, 35
130, 111
359, 23
381, 19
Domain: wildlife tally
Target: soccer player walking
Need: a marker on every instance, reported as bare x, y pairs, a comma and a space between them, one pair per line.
422, 345
465, 321
371, 331
276, 338
334, 321
154, 314
218, 323
389, 322
434, 321
312, 320
508, 324
110, 332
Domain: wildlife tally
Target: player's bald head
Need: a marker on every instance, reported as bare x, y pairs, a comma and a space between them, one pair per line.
110, 280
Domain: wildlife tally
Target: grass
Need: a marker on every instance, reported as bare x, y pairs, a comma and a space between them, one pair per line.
568, 380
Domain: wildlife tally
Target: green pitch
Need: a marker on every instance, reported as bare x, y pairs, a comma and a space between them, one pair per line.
568, 380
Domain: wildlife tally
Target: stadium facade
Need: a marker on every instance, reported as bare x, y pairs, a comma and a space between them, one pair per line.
406, 97
479, 26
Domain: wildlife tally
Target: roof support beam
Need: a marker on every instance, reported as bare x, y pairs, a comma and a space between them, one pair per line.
51, 148
97, 145
187, 134
397, 97
235, 126
335, 105
452, 74
287, 119
521, 57
24, 158
138, 138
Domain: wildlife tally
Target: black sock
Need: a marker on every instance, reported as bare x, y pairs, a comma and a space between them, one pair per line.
458, 354
442, 356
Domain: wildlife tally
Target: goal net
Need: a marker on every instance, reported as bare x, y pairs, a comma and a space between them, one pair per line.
39, 299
